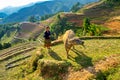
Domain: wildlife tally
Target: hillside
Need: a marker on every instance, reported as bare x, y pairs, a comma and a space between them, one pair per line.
10, 9
44, 8
18, 32
40, 64
29, 30
98, 60
103, 14
100, 13
3, 15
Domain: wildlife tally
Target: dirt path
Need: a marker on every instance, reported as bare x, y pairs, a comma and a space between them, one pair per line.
87, 73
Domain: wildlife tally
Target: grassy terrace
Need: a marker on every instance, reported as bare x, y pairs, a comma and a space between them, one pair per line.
96, 50
80, 58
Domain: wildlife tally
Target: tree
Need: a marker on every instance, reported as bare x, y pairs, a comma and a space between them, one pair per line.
1, 47
91, 29
46, 16
86, 25
32, 19
2, 33
112, 3
60, 26
75, 7
6, 45
95, 30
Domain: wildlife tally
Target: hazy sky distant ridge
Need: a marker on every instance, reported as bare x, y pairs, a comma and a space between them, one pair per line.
15, 3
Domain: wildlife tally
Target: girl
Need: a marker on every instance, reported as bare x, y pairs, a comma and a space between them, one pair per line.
47, 42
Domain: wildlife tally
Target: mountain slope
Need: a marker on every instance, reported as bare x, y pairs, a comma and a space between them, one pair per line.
100, 13
3, 15
103, 13
9, 10
29, 30
40, 9
15, 33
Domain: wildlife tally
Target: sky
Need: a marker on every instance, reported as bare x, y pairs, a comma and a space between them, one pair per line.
6, 3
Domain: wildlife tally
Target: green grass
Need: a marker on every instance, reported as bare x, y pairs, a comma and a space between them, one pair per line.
95, 50
115, 75
6, 39
110, 74
6, 74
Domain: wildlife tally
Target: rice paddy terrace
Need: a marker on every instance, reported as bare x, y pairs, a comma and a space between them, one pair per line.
14, 56
99, 55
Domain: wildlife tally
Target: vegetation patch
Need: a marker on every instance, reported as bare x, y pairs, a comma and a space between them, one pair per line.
51, 69
31, 66
110, 74
52, 64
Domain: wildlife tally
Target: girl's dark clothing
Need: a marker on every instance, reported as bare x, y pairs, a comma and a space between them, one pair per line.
47, 34
47, 42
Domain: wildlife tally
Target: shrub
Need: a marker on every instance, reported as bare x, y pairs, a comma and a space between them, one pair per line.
60, 26
92, 29
52, 68
86, 26
33, 63
76, 7
1, 47
6, 45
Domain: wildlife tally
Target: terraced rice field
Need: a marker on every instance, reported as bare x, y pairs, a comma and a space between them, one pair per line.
15, 56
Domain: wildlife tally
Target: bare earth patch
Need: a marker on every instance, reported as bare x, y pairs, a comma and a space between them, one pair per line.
89, 72
113, 24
